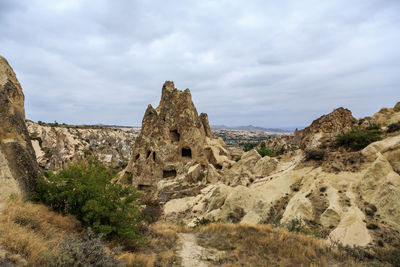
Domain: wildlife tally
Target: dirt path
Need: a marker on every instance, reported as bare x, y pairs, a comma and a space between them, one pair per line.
191, 253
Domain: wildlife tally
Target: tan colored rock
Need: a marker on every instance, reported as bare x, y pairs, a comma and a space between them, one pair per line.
18, 167
265, 166
383, 146
172, 140
57, 146
351, 230
326, 128
380, 186
386, 116
243, 170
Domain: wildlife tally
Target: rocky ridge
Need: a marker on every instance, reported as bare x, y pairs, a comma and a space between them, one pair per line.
56, 146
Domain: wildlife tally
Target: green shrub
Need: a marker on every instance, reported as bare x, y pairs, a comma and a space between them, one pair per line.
393, 127
247, 146
358, 139
84, 189
264, 151
314, 154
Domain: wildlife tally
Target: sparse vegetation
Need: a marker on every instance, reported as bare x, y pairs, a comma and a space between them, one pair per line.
88, 251
312, 154
159, 251
247, 146
357, 139
393, 127
84, 189
262, 245
264, 151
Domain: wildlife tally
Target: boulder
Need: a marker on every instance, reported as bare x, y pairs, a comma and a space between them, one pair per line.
18, 167
265, 166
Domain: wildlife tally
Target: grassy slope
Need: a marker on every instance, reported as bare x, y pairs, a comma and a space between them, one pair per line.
34, 232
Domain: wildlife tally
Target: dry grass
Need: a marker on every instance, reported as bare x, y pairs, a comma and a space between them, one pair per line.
33, 231
262, 245
160, 249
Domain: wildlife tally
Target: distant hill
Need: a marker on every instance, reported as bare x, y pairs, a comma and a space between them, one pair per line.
252, 128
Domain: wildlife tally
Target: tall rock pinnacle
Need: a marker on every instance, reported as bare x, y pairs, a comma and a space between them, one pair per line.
18, 166
173, 138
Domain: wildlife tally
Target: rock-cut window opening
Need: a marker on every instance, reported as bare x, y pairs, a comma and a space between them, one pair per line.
169, 173
148, 154
186, 152
175, 136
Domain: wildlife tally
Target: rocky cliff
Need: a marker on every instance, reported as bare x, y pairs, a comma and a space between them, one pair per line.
56, 146
18, 167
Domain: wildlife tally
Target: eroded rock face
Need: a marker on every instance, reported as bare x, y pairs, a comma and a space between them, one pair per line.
174, 139
56, 147
386, 116
18, 167
326, 128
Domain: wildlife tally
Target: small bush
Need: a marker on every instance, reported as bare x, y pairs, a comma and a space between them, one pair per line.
264, 151
358, 139
393, 127
89, 251
315, 154
247, 146
85, 190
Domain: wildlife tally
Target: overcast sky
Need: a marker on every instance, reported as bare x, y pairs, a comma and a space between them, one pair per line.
266, 63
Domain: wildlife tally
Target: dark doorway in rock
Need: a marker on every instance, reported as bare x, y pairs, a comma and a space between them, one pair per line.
154, 155
186, 152
218, 167
148, 154
169, 173
174, 135
144, 187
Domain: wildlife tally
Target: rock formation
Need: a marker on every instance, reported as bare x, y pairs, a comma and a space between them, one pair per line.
18, 167
326, 128
350, 197
386, 116
174, 142
56, 146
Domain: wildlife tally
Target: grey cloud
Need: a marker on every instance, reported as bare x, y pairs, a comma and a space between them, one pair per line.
260, 62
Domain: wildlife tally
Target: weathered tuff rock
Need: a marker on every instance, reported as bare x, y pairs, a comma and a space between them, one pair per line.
322, 131
55, 147
386, 116
174, 142
355, 205
18, 167
326, 128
